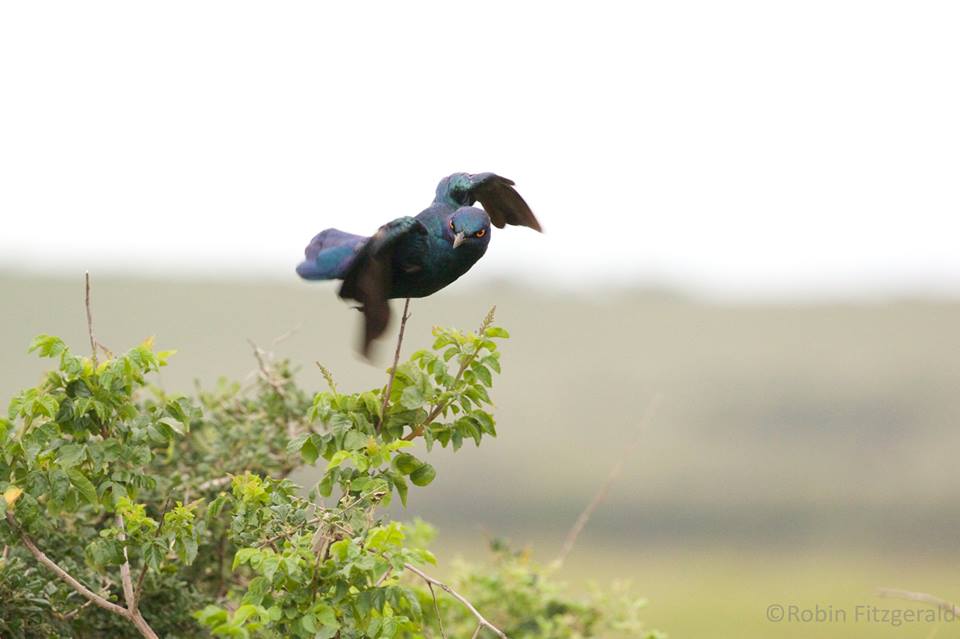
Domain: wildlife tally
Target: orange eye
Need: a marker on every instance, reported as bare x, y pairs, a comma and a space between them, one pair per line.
451, 226
480, 233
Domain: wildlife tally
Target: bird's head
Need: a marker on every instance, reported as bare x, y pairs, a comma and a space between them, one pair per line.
456, 190
469, 227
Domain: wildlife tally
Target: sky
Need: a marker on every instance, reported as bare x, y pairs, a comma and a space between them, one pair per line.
735, 148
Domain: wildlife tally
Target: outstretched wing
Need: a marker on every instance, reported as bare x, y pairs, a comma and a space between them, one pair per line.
370, 275
502, 202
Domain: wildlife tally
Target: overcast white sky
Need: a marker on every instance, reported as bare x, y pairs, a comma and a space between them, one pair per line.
743, 148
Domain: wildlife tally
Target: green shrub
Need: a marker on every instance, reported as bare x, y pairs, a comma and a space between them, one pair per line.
176, 517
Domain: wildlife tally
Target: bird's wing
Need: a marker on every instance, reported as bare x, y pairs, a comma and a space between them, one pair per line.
370, 275
502, 202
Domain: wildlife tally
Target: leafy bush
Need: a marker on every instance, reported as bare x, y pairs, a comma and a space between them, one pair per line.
133, 512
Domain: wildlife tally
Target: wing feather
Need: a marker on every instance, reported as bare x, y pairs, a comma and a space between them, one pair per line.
370, 276
502, 202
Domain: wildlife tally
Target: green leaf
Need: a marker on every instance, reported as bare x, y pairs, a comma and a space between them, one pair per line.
243, 556
354, 440
483, 374
70, 455
309, 451
412, 397
423, 475
407, 463
245, 612
82, 484
48, 345
496, 331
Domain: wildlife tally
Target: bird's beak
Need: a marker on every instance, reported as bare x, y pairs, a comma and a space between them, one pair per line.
458, 239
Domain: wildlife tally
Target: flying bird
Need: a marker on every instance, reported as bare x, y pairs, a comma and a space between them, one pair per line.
416, 256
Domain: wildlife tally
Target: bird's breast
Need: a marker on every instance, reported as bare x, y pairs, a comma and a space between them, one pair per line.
438, 264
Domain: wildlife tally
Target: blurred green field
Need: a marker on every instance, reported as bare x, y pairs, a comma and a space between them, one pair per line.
801, 453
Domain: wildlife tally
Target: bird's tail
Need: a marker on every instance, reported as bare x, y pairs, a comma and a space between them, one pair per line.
329, 255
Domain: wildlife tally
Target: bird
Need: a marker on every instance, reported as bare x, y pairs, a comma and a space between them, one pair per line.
412, 257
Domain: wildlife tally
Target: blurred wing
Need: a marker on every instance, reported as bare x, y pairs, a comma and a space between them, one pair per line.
501, 201
370, 275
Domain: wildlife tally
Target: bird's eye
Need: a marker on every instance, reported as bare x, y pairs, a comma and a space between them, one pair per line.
480, 233
451, 226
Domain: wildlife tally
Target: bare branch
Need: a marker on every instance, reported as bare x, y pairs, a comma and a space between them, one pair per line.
94, 344
456, 595
601, 494
436, 607
921, 597
128, 591
63, 574
284, 337
476, 633
396, 362
86, 301
265, 373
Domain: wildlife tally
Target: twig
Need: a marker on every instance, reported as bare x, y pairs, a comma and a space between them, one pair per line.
456, 595
476, 633
86, 301
393, 369
285, 336
125, 578
601, 494
67, 616
129, 594
920, 597
265, 371
94, 343
63, 574
436, 607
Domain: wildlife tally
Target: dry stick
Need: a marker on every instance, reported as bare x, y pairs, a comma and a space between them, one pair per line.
476, 633
96, 599
921, 597
436, 607
129, 594
265, 371
456, 595
601, 494
396, 361
86, 300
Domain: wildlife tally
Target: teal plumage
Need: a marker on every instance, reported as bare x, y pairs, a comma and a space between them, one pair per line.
416, 256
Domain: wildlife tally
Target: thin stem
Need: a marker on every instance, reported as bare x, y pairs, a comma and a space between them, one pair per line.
921, 597
436, 607
129, 593
86, 301
396, 362
456, 595
601, 494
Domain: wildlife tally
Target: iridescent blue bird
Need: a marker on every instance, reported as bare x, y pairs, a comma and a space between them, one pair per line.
416, 256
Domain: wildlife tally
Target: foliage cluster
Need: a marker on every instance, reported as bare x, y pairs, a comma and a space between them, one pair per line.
177, 510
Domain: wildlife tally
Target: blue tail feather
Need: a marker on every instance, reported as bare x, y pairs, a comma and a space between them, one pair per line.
329, 255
